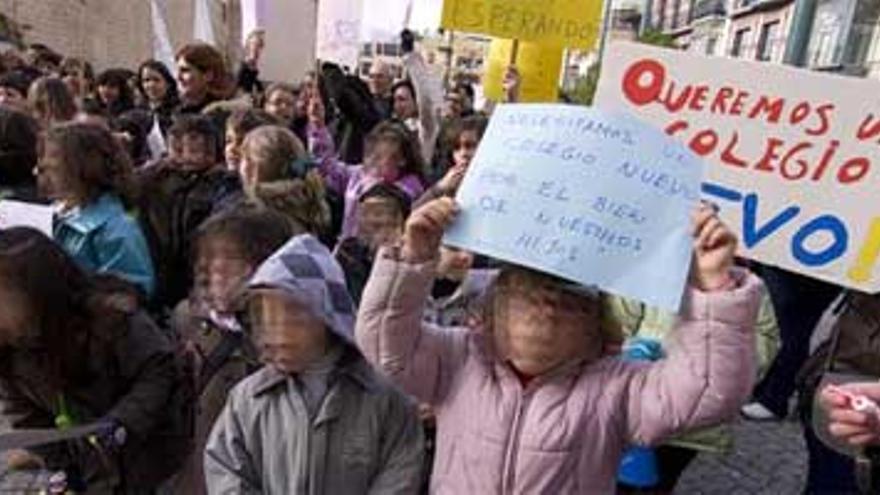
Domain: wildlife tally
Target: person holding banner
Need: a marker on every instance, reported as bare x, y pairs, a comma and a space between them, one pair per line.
519, 396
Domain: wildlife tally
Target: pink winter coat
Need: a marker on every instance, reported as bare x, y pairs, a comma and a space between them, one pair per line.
564, 433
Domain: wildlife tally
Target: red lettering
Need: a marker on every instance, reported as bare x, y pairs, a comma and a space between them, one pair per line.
637, 91
698, 100
854, 170
737, 107
802, 165
799, 113
773, 108
824, 113
765, 163
869, 129
704, 142
672, 103
719, 104
728, 155
678, 125
826, 159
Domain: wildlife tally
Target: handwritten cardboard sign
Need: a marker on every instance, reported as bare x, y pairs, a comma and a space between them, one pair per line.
339, 26
21, 214
573, 23
793, 155
592, 197
539, 65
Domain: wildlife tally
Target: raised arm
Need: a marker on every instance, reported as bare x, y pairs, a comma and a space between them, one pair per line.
710, 368
429, 92
336, 174
421, 359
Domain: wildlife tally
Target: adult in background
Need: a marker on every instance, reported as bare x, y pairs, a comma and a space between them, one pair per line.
157, 85
79, 77
51, 101
380, 79
249, 71
202, 77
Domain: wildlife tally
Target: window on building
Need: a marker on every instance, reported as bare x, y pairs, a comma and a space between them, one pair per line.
676, 11
740, 40
767, 41
711, 45
661, 16
690, 12
367, 50
390, 49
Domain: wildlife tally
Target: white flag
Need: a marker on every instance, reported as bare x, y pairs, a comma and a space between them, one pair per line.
163, 50
338, 37
253, 17
203, 27
385, 24
156, 141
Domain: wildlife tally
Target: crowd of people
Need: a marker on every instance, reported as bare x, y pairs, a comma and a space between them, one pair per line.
245, 290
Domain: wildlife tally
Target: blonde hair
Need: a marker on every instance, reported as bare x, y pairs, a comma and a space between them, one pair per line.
272, 149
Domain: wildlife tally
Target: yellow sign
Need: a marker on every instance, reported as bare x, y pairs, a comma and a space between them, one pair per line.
538, 64
572, 23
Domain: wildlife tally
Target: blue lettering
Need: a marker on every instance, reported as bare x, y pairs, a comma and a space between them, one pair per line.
829, 223
751, 235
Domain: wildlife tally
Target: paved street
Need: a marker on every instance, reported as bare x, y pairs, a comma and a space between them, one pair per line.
769, 458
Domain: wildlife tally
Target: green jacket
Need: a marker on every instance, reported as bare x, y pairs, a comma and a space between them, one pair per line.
634, 319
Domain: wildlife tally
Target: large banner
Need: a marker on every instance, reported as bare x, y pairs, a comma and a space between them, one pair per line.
571, 23
597, 198
793, 155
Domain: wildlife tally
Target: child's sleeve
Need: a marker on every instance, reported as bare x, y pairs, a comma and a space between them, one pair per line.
710, 368
122, 250
229, 466
422, 359
402, 451
429, 91
767, 331
335, 173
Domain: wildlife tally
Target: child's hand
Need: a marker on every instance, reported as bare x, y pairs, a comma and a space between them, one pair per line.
714, 248
511, 84
450, 182
856, 427
424, 229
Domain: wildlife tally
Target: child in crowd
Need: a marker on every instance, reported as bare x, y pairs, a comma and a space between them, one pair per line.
77, 350
460, 146
238, 125
51, 101
317, 418
177, 195
530, 383
276, 171
89, 177
381, 215
18, 155
229, 247
289, 104
114, 94
14, 87
391, 156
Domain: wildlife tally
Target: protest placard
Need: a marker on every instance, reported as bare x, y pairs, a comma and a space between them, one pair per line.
338, 36
596, 198
539, 65
21, 214
791, 154
571, 23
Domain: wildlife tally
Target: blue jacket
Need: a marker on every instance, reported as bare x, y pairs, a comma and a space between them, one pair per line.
102, 238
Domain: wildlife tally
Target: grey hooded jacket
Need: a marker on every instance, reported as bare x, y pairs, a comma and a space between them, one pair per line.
364, 436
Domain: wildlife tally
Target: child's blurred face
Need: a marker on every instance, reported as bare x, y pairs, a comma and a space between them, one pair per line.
108, 93
286, 334
539, 326
385, 161
232, 149
220, 275
52, 178
12, 98
192, 152
281, 104
465, 148
14, 319
380, 222
454, 263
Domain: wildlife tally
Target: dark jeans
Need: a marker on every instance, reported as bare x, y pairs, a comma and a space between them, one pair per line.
798, 302
829, 473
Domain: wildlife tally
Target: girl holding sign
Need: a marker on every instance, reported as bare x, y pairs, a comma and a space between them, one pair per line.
526, 402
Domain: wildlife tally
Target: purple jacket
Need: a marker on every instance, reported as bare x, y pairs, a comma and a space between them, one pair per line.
565, 432
350, 180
